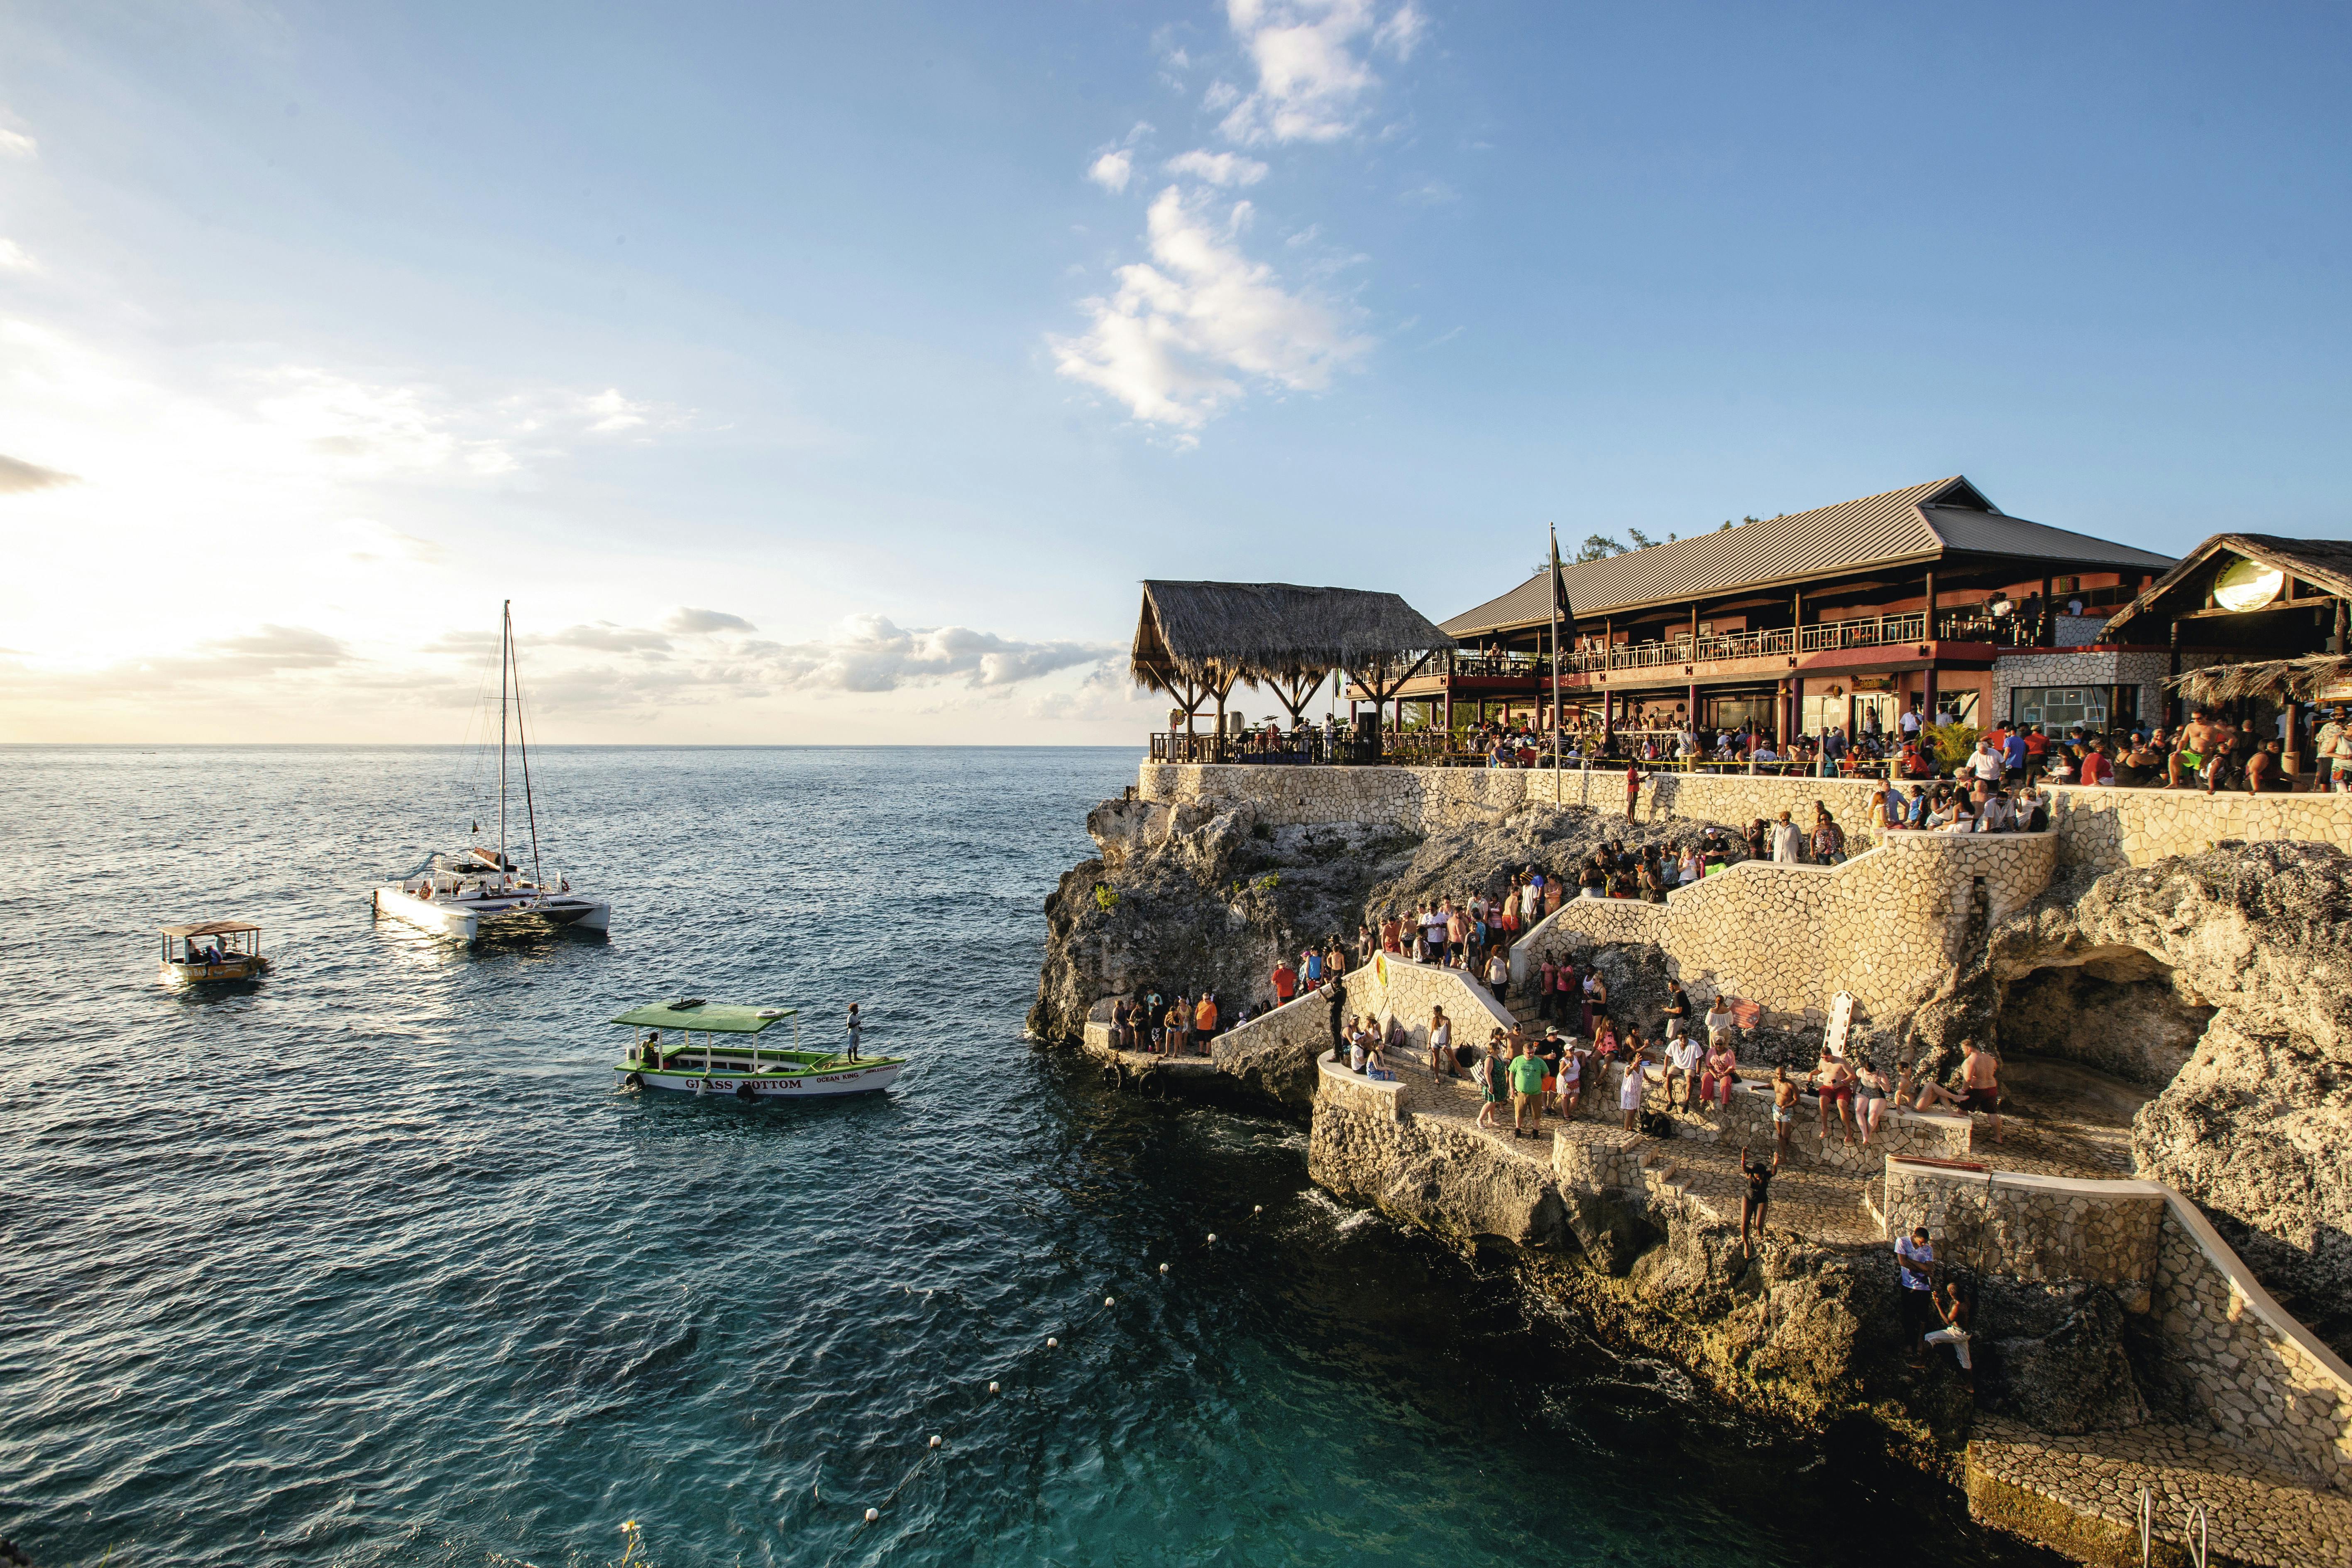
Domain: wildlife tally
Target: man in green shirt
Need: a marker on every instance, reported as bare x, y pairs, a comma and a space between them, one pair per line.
1526, 1090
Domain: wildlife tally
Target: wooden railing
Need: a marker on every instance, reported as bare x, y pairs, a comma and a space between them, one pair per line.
1862, 631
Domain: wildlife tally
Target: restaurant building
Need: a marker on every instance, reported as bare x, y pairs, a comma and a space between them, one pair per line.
1928, 598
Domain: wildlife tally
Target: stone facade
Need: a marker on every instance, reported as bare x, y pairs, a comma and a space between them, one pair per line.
2041, 1229
2099, 829
2239, 1361
2105, 666
1885, 926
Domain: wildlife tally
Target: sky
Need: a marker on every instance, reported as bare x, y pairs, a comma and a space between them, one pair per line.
834, 374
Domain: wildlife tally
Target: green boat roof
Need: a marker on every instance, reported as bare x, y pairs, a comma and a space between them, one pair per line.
719, 1017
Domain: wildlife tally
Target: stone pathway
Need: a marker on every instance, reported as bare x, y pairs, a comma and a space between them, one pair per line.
2255, 1513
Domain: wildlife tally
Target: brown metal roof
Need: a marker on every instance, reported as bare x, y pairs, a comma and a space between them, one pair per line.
1919, 522
2322, 562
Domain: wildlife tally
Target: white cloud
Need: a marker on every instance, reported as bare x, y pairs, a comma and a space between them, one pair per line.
871, 654
702, 623
1187, 331
606, 637
1313, 70
16, 144
1112, 170
14, 257
17, 476
1217, 168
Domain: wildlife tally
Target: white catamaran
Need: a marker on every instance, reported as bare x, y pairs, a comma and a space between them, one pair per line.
482, 888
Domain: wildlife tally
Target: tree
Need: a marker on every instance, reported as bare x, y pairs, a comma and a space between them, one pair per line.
1641, 541
1597, 547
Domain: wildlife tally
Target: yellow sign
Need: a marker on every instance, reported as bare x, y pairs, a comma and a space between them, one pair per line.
2247, 585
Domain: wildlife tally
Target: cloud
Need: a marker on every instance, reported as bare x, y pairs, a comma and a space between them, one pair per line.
18, 477
267, 651
872, 653
1188, 330
14, 257
702, 623
1112, 170
16, 144
609, 411
1313, 70
1217, 168
606, 637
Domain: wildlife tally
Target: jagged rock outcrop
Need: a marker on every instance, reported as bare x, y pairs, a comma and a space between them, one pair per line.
1185, 896
2256, 1124
2053, 1357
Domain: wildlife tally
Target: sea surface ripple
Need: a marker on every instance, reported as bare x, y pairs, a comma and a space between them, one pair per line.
372, 1263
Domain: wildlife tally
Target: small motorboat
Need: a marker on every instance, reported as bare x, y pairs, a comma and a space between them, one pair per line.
216, 950
695, 1046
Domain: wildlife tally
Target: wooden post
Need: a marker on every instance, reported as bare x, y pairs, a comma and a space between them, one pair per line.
2046, 635
1927, 636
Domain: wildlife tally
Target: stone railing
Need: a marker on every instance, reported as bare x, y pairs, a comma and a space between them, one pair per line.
2102, 828
1301, 1026
1883, 926
2253, 1371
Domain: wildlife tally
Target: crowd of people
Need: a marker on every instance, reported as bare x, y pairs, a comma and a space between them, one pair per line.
2209, 752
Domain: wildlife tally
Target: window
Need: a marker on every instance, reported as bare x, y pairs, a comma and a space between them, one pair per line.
2058, 707
1956, 708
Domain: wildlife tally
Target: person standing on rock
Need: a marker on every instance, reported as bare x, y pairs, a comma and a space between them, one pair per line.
1833, 1080
1918, 1260
1441, 1044
1285, 980
1568, 1082
1787, 843
1980, 1075
1526, 1091
1629, 1089
1632, 788
1498, 974
1204, 1020
1314, 969
1677, 1009
1487, 1073
1784, 1111
1756, 1201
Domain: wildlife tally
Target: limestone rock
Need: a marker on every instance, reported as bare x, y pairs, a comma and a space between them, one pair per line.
2053, 1356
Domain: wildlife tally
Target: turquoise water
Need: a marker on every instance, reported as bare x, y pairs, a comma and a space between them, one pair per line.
370, 1263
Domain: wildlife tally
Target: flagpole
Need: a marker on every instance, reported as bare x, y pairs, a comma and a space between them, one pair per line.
1554, 529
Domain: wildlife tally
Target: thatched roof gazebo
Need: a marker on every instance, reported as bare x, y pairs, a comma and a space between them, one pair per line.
1198, 640
2315, 678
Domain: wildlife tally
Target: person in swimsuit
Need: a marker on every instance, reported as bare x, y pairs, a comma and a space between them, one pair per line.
1870, 1100
1981, 1076
1757, 1199
2197, 741
1441, 1044
1832, 1080
1784, 1111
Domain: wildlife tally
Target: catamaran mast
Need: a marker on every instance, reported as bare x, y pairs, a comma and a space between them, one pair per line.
505, 644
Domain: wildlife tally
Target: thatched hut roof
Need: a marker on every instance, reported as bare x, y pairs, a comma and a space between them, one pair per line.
1212, 632
2277, 679
2325, 563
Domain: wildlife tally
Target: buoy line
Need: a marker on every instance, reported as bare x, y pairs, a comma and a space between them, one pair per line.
935, 1449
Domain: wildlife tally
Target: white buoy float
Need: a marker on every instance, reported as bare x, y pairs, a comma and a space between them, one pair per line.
992, 1388
1051, 1343
872, 1514
1213, 1238
1259, 1209
1109, 1301
935, 1441
1163, 1268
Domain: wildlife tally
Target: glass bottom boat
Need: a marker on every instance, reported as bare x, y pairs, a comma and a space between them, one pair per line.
693, 1046
217, 949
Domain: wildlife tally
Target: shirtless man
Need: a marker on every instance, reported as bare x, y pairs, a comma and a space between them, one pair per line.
1784, 1111
1832, 1080
2198, 739
1980, 1075
1757, 1198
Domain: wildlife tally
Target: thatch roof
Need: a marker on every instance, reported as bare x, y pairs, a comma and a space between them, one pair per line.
1217, 632
2325, 563
2275, 679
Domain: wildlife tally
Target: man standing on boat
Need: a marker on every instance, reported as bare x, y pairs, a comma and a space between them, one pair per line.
855, 1030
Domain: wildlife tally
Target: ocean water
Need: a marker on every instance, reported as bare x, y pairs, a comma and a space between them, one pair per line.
372, 1263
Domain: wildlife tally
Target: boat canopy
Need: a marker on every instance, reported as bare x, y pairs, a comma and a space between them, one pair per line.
212, 928
719, 1017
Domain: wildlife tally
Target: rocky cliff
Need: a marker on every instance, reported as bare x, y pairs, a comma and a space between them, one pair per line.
2227, 976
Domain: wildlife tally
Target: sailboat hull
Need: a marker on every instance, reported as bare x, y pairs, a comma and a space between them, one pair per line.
454, 917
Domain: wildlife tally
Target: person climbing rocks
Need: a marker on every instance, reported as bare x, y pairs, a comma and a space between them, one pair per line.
1917, 1261
1757, 1199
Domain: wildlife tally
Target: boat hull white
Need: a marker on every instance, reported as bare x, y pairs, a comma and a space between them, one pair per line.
857, 1079
466, 919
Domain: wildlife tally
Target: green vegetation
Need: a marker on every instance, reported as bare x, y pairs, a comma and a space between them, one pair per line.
1953, 742
1106, 897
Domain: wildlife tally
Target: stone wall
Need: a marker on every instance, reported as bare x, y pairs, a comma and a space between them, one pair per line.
1885, 926
2233, 1355
2099, 829
2031, 1228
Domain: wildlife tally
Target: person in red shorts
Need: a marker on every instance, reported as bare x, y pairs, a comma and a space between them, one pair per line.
1981, 1076
1833, 1081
